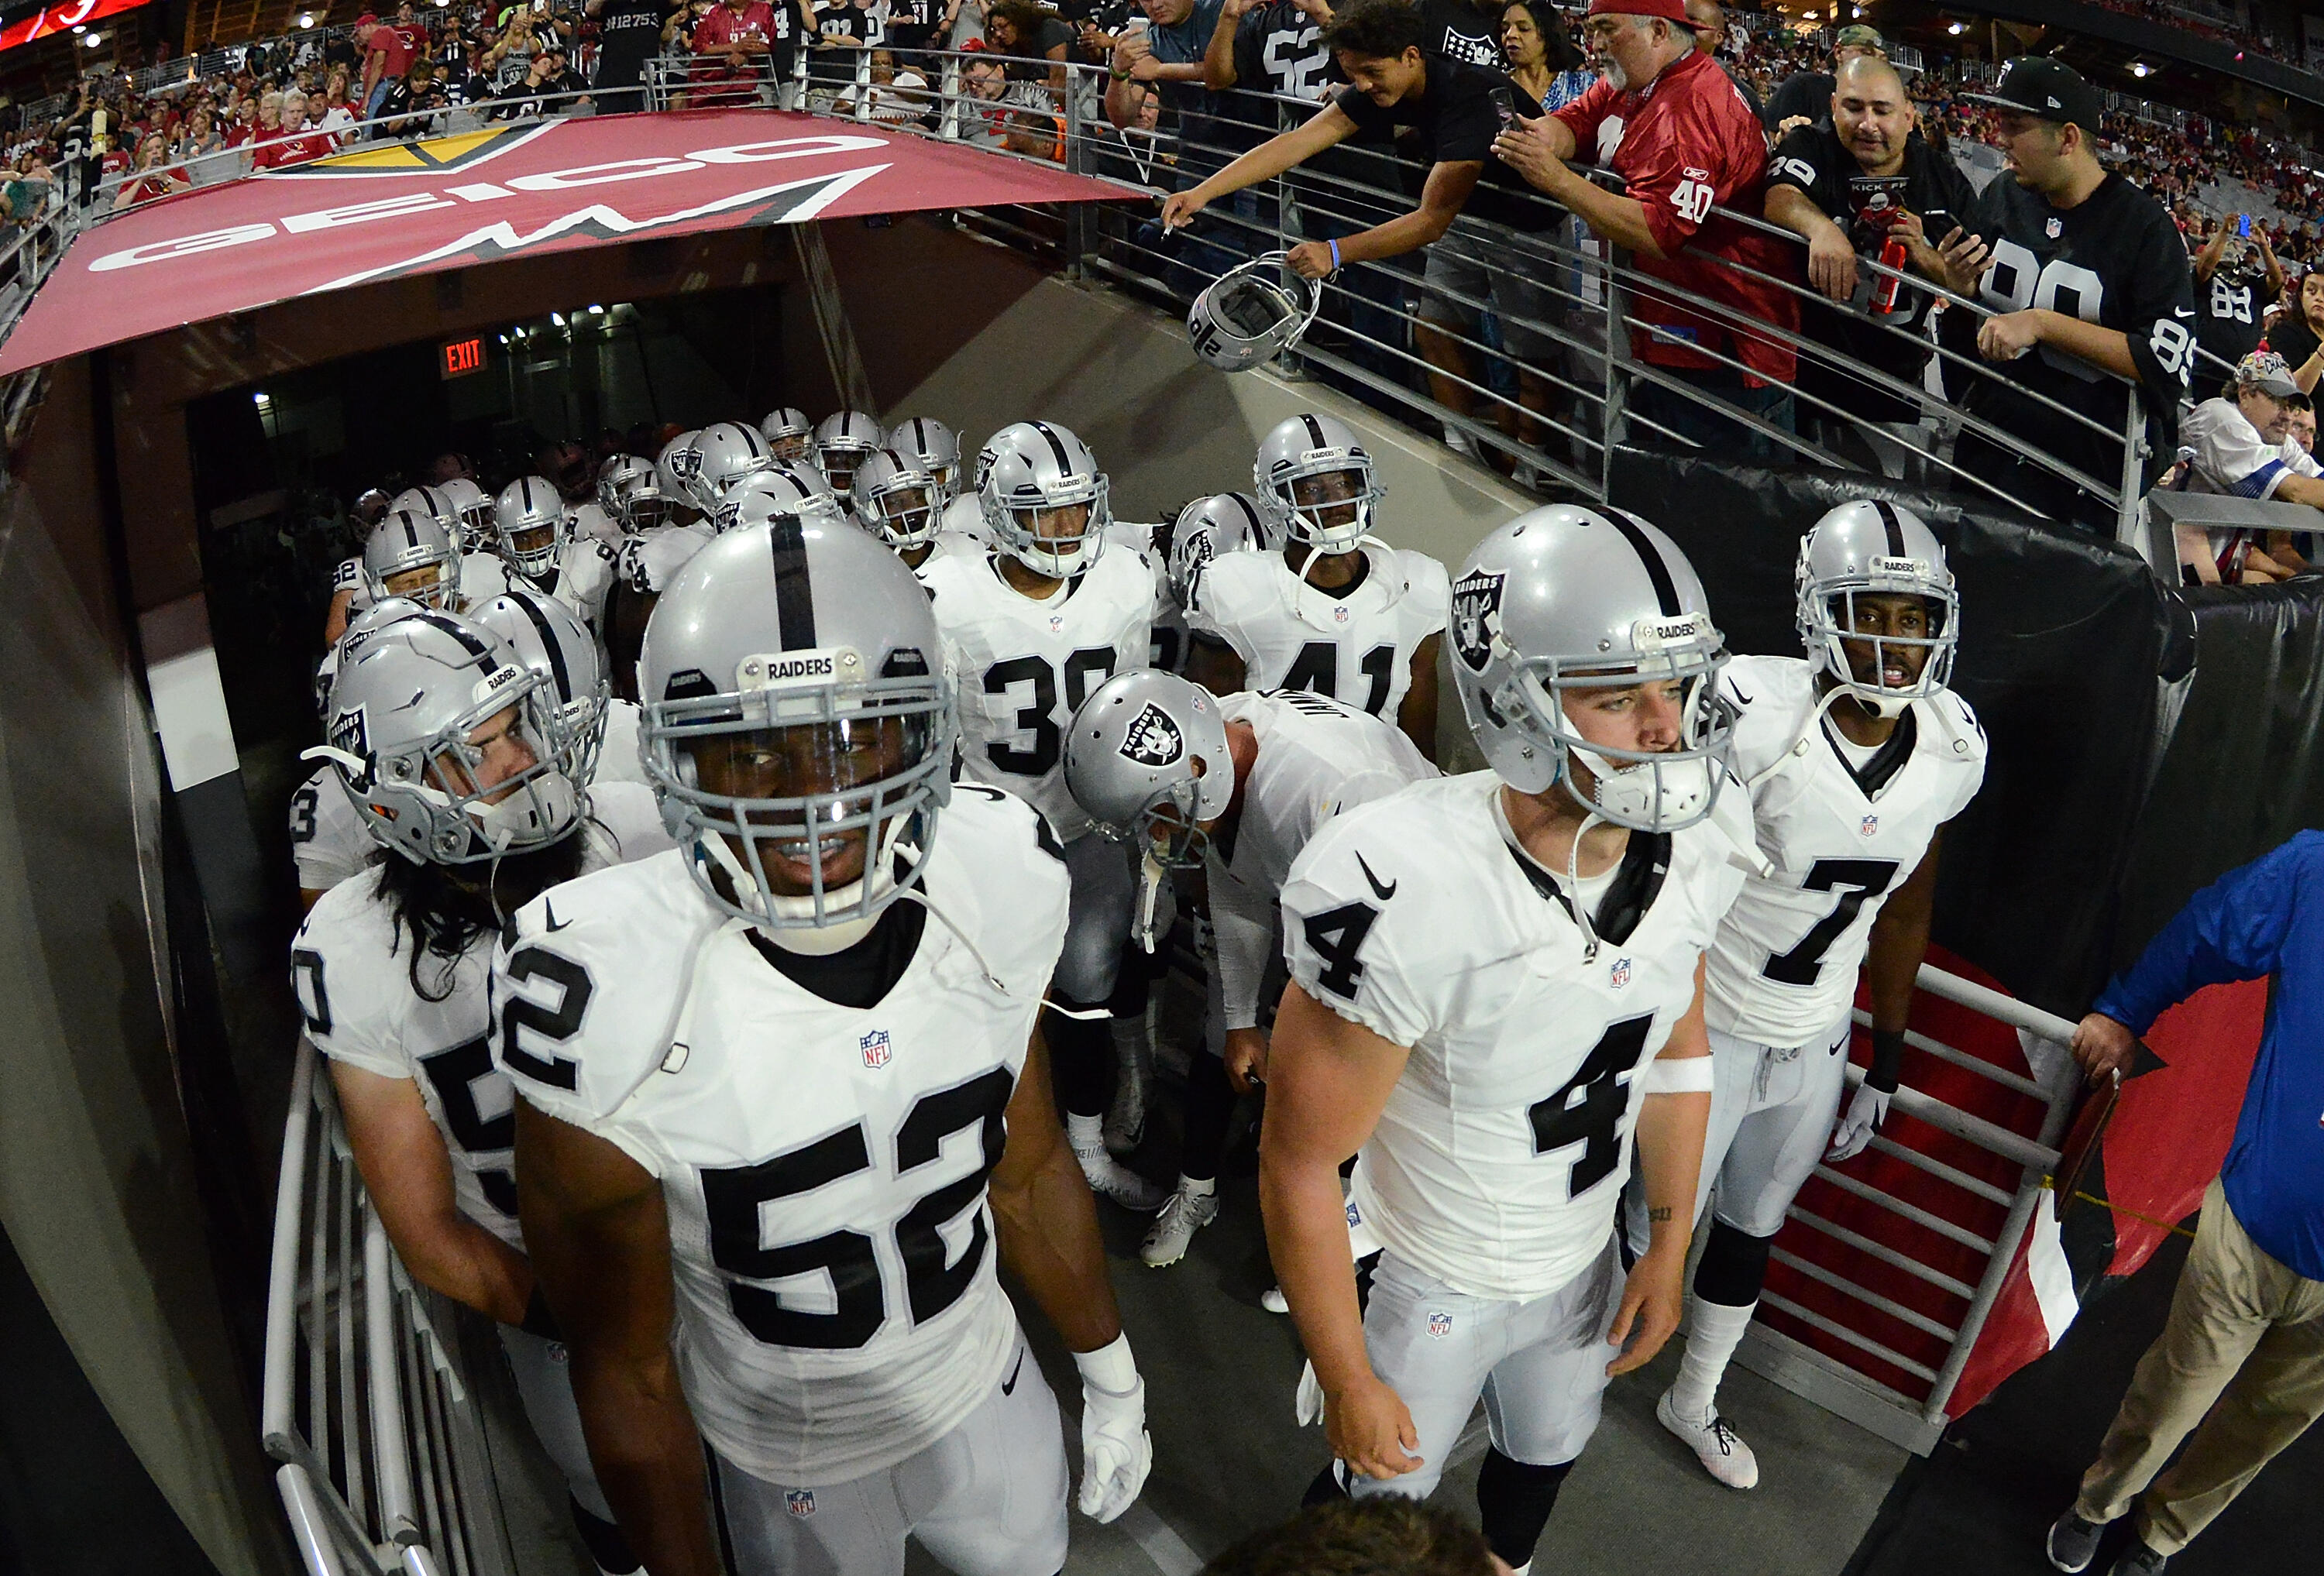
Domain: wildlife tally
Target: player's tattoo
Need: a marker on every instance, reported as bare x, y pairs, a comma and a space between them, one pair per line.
1656, 1216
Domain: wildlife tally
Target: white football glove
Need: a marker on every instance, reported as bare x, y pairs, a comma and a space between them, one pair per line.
1865, 1113
1117, 1452
1307, 1406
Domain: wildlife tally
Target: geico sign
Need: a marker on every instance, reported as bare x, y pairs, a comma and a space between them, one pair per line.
483, 191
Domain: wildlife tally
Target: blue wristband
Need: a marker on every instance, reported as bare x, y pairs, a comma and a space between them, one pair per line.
1336, 255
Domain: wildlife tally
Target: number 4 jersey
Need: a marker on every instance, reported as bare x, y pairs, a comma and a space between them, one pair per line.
1500, 1158
1020, 669
1841, 828
823, 1167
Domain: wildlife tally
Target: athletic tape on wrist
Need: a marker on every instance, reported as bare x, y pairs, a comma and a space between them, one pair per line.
1685, 1075
1110, 1368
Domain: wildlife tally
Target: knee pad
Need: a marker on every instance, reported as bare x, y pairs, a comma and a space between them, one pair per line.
1513, 1499
1733, 1268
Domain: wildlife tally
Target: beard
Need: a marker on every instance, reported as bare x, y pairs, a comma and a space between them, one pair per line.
1616, 78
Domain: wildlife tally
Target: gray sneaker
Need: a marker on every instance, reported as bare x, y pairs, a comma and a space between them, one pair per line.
2074, 1543
1185, 1214
1110, 1178
2138, 1559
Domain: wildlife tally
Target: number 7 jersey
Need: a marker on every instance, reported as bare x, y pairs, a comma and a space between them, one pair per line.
1839, 837
823, 1167
1499, 1160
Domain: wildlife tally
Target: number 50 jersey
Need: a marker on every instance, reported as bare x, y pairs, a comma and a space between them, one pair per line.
1841, 837
1500, 1156
823, 1167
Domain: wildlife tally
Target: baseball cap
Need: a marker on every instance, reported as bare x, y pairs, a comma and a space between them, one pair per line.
1668, 10
1857, 35
2265, 370
2046, 89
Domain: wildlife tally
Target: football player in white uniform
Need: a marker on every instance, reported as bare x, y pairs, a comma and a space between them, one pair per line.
844, 441
789, 435
768, 1084
927, 443
464, 767
534, 532
1030, 628
480, 561
1496, 980
1236, 787
1854, 758
902, 501
549, 638
329, 841
1337, 610
348, 596
664, 532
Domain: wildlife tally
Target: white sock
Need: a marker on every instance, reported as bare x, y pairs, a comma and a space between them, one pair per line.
1086, 1132
1713, 1332
1197, 1189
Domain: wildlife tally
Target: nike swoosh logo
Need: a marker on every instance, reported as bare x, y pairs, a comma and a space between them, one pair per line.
1741, 699
549, 909
1009, 1386
2182, 311
1384, 892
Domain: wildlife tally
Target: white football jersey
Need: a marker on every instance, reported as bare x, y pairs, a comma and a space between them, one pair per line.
618, 759
966, 515
328, 840
1841, 837
948, 544
584, 574
350, 968
483, 577
349, 579
1355, 646
1498, 1161
591, 523
1020, 667
651, 559
824, 1168
1167, 638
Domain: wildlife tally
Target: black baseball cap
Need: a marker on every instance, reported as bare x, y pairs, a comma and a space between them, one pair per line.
2046, 89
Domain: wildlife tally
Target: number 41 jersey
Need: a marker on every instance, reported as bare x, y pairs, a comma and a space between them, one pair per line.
823, 1167
1022, 668
1355, 645
1841, 837
1500, 1158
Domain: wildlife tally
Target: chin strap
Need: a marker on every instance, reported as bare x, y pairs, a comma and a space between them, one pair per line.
1150, 897
1316, 554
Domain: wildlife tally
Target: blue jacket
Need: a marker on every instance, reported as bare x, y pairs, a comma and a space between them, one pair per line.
2266, 918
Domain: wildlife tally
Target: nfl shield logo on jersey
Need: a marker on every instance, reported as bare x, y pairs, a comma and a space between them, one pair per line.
2054, 229
875, 1048
1440, 1325
1340, 614
1056, 622
1618, 973
1476, 603
1153, 739
799, 1502
1872, 826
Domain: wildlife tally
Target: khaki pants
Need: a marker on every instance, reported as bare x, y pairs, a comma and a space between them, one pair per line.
2245, 1332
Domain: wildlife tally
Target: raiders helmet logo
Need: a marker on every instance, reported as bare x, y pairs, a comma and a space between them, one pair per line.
1154, 739
1476, 612
685, 463
351, 732
1200, 550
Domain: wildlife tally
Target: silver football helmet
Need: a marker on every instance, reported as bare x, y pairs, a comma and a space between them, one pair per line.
639, 501
1211, 528
475, 507
726, 452
412, 555
1876, 548
362, 627
1040, 475
549, 638
451, 751
933, 447
781, 489
789, 435
844, 441
1315, 482
818, 646
1569, 600
616, 473
1252, 313
899, 497
677, 467
531, 526
1147, 757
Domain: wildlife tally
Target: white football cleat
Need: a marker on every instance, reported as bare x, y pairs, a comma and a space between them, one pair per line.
1110, 1178
1720, 1448
1185, 1214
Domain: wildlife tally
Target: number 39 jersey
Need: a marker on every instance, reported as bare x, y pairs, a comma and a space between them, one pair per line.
1355, 645
1500, 1157
823, 1167
1020, 669
1841, 837
350, 968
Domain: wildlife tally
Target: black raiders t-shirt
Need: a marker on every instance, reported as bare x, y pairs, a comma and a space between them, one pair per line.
628, 34
2228, 310
1819, 165
1463, 32
1278, 50
1453, 121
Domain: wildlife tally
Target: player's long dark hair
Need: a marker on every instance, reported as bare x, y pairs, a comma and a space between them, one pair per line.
445, 909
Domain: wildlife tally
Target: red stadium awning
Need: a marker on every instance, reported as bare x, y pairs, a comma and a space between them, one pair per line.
528, 188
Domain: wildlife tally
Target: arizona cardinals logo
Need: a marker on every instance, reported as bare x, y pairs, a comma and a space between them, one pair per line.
1154, 739
1476, 609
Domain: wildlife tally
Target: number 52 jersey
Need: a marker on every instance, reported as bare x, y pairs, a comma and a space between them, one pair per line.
823, 1167
1499, 1160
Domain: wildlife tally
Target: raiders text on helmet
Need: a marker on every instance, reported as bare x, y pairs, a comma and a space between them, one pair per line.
789, 435
549, 638
1873, 547
898, 496
780, 489
403, 545
1316, 483
531, 524
842, 441
1038, 475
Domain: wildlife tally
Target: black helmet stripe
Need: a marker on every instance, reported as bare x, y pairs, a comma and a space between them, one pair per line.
455, 629
1057, 446
1895, 528
794, 587
549, 642
1250, 515
1651, 557
410, 530
1315, 430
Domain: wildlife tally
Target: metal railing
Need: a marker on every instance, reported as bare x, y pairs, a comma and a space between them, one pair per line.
1857, 1385
365, 1402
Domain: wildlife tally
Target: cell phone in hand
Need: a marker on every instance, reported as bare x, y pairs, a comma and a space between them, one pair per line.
2243, 225
1505, 106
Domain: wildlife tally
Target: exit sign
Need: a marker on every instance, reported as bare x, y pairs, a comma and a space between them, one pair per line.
462, 356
